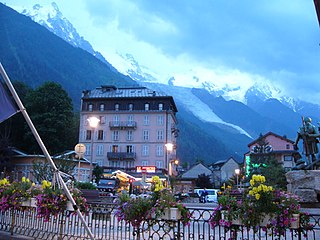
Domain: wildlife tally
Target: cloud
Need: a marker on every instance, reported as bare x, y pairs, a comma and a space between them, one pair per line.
274, 40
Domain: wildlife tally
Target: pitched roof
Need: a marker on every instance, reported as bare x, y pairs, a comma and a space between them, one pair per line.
195, 171
122, 92
268, 134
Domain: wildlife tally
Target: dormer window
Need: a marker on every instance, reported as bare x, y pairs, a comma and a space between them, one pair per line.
146, 106
130, 106
101, 107
160, 106
116, 107
90, 107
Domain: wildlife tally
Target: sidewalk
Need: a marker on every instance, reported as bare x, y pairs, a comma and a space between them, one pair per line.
6, 236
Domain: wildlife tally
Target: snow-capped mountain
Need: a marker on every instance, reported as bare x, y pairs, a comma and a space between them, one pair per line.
228, 87
51, 18
237, 108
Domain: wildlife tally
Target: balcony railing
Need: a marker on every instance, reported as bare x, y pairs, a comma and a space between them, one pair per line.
121, 155
123, 125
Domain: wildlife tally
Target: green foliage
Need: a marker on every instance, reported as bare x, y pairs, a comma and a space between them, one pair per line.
43, 170
203, 181
267, 165
97, 172
85, 185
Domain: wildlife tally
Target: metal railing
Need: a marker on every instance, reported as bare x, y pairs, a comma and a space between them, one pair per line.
104, 225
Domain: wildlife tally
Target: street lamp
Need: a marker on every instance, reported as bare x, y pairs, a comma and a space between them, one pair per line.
169, 148
237, 172
79, 149
93, 122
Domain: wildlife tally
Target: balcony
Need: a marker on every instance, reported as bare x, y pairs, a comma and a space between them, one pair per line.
121, 156
123, 125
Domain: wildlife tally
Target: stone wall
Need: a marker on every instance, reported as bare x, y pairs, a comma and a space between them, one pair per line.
305, 184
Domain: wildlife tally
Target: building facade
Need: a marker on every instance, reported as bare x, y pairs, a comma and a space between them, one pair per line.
274, 145
223, 170
135, 126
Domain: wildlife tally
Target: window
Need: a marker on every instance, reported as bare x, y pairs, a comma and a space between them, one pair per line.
116, 107
160, 106
160, 120
88, 149
114, 148
145, 135
159, 164
88, 135
102, 120
146, 120
146, 106
160, 135
100, 135
115, 135
129, 148
101, 107
130, 106
129, 135
287, 158
159, 151
90, 107
145, 150
99, 150
130, 119
116, 119
144, 163
288, 146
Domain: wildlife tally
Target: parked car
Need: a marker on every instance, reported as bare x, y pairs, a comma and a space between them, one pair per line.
211, 197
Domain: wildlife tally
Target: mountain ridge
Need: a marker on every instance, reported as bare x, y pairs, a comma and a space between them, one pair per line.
220, 127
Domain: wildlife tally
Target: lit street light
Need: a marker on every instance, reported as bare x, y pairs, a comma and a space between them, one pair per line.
93, 122
169, 148
237, 171
79, 149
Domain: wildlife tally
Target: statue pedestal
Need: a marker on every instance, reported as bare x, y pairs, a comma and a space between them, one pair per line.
305, 184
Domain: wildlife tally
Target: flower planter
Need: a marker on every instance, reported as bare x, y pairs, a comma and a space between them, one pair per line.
70, 206
175, 214
169, 214
31, 202
237, 221
265, 220
295, 221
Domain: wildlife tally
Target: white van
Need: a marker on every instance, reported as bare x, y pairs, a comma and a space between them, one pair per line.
212, 194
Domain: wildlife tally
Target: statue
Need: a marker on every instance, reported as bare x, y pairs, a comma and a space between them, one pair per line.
309, 134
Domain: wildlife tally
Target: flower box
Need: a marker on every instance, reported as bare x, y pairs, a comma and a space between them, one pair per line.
70, 206
265, 220
175, 214
169, 214
295, 221
31, 202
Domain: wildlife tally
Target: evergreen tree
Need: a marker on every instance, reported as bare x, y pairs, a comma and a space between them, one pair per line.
263, 161
203, 181
50, 109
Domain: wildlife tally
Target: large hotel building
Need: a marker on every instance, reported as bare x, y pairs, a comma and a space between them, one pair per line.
135, 129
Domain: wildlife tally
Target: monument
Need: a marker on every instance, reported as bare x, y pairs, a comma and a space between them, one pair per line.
304, 179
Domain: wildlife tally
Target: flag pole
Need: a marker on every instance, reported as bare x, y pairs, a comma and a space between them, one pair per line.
42, 146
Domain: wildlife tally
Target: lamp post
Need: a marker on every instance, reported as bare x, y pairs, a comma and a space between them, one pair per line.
93, 122
237, 172
169, 148
79, 149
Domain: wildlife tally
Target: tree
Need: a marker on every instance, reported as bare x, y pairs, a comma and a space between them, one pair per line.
50, 109
263, 161
203, 181
44, 171
13, 129
97, 173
